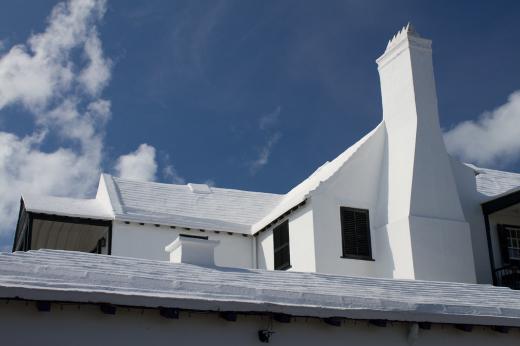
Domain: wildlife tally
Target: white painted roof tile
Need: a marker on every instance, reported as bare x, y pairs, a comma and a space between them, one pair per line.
493, 183
81, 277
73, 207
189, 205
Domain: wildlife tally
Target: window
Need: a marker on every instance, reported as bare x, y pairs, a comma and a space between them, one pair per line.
282, 256
355, 233
509, 239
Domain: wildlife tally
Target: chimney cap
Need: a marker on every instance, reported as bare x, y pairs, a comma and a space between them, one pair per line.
192, 250
406, 38
407, 31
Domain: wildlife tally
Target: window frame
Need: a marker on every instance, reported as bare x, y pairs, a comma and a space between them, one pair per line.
282, 227
503, 235
368, 257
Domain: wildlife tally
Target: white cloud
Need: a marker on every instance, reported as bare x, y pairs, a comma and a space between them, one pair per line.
97, 74
493, 139
264, 153
63, 96
35, 73
25, 168
267, 123
41, 77
172, 175
138, 165
270, 119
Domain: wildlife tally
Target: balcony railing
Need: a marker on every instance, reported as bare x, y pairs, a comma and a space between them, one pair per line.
508, 277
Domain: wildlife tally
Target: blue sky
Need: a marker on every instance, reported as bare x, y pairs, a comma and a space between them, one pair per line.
241, 94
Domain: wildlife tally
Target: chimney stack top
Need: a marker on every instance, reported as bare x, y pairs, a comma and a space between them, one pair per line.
192, 250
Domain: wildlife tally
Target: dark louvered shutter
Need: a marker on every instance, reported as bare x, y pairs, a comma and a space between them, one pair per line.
355, 232
503, 243
282, 256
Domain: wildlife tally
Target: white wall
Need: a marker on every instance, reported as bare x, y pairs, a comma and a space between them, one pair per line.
102, 194
72, 324
356, 185
442, 250
148, 241
471, 201
393, 252
301, 242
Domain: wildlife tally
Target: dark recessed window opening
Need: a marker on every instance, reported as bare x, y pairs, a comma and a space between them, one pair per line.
282, 256
355, 233
194, 236
509, 241
36, 231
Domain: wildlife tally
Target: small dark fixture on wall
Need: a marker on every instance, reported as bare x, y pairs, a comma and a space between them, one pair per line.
378, 323
43, 305
333, 321
264, 335
425, 325
501, 329
229, 316
107, 309
282, 318
464, 327
169, 313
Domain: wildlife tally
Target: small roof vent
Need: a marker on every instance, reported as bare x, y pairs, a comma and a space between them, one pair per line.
199, 188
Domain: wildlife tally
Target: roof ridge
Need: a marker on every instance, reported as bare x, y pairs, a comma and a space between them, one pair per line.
187, 185
490, 169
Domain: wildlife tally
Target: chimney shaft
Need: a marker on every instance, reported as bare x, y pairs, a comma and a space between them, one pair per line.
192, 250
421, 180
419, 204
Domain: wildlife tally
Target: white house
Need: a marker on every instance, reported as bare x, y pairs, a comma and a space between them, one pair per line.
393, 205
394, 240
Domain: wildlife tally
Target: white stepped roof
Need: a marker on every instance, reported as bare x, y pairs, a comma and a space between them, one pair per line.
493, 183
192, 205
72, 207
82, 277
202, 207
299, 193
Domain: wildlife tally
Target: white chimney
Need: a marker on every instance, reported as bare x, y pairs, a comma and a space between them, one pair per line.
419, 203
193, 250
421, 180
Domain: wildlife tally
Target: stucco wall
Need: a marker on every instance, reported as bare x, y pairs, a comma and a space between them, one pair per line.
301, 242
471, 205
442, 250
86, 325
148, 241
356, 184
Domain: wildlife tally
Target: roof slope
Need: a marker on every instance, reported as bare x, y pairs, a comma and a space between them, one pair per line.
73, 207
81, 277
301, 191
493, 183
192, 205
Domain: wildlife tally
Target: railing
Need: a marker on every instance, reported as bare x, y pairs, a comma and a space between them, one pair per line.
508, 277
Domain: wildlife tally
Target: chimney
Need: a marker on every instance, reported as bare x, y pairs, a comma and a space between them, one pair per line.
419, 203
192, 250
420, 176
